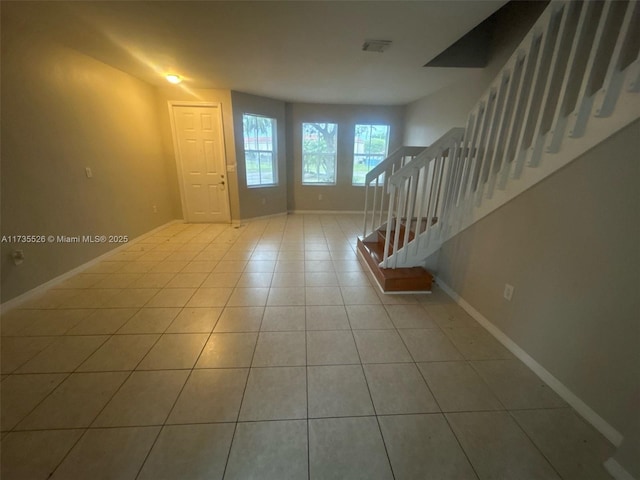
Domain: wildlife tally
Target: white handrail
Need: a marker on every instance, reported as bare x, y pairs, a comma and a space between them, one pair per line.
570, 69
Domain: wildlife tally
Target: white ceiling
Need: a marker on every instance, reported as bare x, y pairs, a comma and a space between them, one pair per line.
303, 51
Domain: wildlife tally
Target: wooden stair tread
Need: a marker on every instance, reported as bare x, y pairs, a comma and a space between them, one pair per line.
411, 279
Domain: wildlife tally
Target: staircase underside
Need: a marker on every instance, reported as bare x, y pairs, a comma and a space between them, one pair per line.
413, 279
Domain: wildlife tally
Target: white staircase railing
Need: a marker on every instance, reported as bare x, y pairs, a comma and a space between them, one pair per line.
570, 84
376, 186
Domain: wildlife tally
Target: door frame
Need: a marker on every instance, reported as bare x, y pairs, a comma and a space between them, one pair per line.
178, 156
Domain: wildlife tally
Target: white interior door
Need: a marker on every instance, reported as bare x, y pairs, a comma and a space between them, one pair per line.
201, 162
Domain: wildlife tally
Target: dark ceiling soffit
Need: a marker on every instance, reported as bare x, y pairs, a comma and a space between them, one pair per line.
473, 50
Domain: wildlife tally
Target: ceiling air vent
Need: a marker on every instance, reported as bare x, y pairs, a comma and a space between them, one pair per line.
378, 46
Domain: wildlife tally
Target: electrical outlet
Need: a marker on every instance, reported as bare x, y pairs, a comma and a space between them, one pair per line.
508, 291
264, 201
320, 197
88, 171
155, 208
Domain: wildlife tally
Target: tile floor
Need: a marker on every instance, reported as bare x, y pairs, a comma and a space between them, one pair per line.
264, 352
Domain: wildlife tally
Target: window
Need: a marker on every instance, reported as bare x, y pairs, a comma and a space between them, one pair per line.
370, 146
319, 153
259, 150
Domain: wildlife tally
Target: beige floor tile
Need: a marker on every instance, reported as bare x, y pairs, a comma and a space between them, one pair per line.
331, 347
516, 386
174, 351
369, 317
221, 280
280, 349
347, 448
286, 296
458, 387
64, 354
275, 393
429, 345
210, 396
572, 446
174, 297
359, 296
120, 352
329, 317
497, 447
399, 388
318, 266
410, 316
260, 266
449, 315
228, 266
288, 279
289, 266
381, 346
320, 279
169, 267
195, 320
75, 403
210, 297
141, 266
153, 280
145, 398
264, 255
353, 279
226, 350
196, 452
255, 280
54, 322
338, 391
476, 344
103, 321
240, 319
269, 451
131, 297
22, 393
200, 267
283, 319
15, 321
423, 446
323, 296
16, 351
187, 280
118, 280
150, 320
248, 297
34, 455
108, 453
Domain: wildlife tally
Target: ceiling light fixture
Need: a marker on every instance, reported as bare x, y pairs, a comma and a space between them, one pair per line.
173, 78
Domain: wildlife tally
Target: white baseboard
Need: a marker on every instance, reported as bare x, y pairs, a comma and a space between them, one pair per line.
14, 302
262, 217
617, 471
599, 423
327, 212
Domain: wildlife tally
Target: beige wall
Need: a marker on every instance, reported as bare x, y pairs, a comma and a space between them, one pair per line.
274, 197
571, 247
185, 94
343, 195
62, 112
430, 117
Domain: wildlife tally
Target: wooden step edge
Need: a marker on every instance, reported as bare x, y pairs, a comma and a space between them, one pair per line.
411, 279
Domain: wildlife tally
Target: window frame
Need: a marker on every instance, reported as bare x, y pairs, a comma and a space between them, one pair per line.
259, 151
333, 154
356, 155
